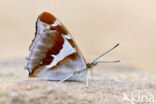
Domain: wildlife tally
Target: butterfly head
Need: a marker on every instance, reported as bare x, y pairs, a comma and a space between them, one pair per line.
91, 65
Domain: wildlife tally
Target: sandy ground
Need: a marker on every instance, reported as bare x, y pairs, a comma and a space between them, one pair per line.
111, 84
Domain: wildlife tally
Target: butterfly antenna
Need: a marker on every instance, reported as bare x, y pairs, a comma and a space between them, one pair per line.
108, 61
105, 53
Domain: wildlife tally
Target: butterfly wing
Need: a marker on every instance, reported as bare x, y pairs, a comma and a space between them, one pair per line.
53, 53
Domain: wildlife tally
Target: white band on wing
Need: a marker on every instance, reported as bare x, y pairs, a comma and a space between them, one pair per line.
67, 36
65, 51
56, 23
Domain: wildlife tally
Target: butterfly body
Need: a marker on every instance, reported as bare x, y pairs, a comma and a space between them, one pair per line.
53, 53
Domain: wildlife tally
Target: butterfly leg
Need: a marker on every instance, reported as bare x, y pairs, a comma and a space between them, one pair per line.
87, 79
87, 76
92, 74
69, 76
78, 72
65, 78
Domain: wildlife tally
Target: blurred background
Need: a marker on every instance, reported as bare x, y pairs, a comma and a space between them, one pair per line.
96, 26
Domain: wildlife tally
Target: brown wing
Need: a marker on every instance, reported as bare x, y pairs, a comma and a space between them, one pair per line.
53, 53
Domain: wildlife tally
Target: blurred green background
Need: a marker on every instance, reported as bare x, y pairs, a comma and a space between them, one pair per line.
96, 26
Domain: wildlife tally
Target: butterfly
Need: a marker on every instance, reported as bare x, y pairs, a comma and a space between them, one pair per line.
54, 55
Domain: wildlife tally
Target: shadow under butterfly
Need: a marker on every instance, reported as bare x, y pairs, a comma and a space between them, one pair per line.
54, 55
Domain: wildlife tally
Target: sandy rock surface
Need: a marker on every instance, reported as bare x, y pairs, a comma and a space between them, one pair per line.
111, 84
